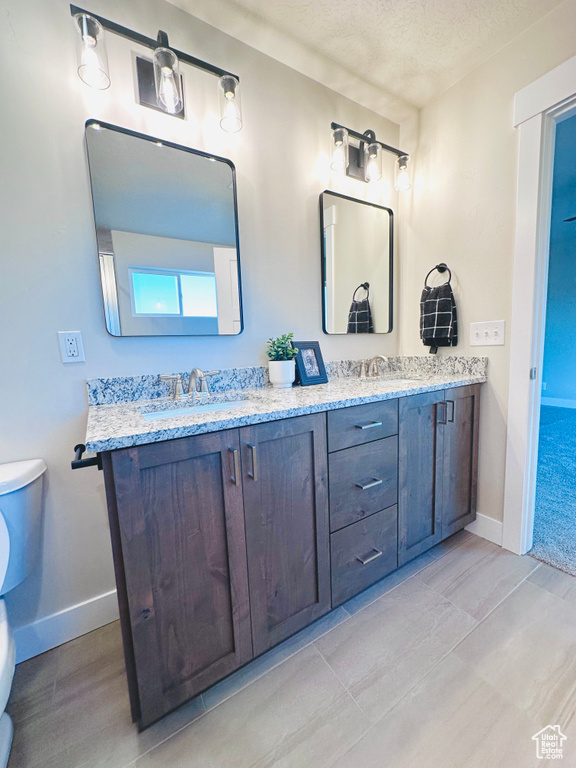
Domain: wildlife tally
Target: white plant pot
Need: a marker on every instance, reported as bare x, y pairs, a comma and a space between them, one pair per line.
282, 373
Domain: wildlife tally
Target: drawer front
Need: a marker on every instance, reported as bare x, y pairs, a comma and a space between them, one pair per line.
363, 480
362, 554
362, 424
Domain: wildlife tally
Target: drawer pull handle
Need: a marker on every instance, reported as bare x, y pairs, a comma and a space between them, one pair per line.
236, 474
254, 473
369, 426
373, 484
450, 420
365, 560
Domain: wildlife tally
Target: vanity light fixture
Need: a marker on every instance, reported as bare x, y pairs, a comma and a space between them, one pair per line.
159, 80
364, 162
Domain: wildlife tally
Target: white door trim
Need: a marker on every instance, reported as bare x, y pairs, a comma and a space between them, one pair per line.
536, 109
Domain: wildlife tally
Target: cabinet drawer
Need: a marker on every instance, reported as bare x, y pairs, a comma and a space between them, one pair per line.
362, 424
363, 480
362, 554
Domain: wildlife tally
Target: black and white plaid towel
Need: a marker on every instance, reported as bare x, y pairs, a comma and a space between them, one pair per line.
360, 314
438, 323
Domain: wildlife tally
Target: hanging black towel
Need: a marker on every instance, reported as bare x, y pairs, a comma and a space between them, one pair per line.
360, 314
438, 322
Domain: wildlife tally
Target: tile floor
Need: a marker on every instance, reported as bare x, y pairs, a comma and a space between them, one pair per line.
454, 661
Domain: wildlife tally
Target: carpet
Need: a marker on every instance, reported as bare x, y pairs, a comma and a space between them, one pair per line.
555, 518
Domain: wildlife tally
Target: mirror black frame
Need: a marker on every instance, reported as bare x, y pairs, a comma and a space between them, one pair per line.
391, 261
172, 145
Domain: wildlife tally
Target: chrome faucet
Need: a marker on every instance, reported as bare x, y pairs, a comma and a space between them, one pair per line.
198, 384
373, 369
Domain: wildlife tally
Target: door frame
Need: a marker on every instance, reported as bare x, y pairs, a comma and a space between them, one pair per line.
537, 109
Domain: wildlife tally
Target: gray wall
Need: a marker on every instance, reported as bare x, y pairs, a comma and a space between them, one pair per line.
49, 265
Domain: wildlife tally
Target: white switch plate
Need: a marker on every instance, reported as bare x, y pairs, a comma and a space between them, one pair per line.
487, 334
71, 347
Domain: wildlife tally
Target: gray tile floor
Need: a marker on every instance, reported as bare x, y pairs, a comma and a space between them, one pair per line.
454, 661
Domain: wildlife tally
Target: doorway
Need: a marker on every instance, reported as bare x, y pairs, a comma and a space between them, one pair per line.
538, 109
554, 535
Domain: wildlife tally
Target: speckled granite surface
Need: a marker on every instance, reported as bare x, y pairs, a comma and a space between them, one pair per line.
122, 424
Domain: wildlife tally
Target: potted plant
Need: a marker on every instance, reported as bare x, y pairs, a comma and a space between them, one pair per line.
281, 365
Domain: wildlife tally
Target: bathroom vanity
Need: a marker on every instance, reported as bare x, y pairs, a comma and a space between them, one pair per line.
231, 538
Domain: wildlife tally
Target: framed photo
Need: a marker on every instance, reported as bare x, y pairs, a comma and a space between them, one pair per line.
309, 363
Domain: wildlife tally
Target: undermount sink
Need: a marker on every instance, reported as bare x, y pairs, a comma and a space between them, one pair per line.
386, 380
188, 410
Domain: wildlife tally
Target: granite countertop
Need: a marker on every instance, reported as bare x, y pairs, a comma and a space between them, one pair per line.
122, 424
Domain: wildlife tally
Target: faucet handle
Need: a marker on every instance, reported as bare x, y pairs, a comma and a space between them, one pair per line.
211, 373
362, 369
176, 390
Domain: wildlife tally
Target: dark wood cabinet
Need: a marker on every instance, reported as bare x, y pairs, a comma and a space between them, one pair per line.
225, 544
284, 471
437, 466
460, 458
181, 542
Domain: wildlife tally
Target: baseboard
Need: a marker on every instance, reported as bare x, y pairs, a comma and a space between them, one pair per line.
51, 631
487, 528
558, 402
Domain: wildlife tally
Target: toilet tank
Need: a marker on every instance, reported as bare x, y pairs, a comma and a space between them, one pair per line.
21, 485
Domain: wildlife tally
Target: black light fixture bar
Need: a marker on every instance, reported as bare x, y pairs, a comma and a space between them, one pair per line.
149, 42
365, 137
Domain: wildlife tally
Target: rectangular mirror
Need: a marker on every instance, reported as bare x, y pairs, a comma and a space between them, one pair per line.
167, 232
357, 263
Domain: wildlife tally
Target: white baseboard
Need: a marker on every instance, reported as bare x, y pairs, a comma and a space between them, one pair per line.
51, 631
558, 402
487, 528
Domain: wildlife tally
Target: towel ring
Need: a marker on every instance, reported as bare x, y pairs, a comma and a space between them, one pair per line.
366, 287
441, 268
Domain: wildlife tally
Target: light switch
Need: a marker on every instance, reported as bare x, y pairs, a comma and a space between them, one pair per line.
487, 334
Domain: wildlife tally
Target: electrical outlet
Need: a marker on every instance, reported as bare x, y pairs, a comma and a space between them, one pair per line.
544, 385
71, 347
487, 334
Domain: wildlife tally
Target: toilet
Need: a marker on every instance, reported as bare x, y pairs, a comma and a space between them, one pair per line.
20, 528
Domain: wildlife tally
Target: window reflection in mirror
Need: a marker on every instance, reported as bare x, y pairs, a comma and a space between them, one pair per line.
357, 258
166, 226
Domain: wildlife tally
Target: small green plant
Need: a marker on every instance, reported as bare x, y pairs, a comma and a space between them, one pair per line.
281, 348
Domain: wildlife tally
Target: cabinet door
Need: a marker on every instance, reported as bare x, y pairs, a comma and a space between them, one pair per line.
181, 533
460, 461
286, 510
419, 473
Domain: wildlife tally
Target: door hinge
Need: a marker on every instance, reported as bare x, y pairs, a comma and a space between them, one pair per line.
533, 374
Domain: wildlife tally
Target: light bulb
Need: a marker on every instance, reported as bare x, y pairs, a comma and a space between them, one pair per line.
339, 158
373, 162
167, 80
402, 181
230, 106
92, 58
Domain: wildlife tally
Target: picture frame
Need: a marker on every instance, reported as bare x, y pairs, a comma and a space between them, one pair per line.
310, 367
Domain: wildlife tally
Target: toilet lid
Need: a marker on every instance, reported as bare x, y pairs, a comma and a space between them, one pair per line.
17, 474
4, 549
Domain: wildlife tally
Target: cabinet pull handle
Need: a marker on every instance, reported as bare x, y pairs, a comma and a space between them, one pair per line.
254, 473
236, 474
444, 407
369, 426
373, 484
452, 403
365, 560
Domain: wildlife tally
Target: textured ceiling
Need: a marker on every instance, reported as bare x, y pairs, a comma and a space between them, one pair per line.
413, 49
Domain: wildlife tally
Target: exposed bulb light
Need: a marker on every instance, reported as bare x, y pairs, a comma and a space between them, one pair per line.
373, 162
339, 155
402, 181
230, 106
91, 50
167, 80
